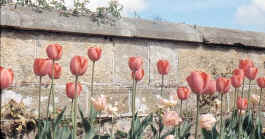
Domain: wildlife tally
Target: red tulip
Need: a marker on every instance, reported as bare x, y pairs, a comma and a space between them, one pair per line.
57, 70
138, 75
223, 85
251, 73
135, 63
261, 82
242, 103
94, 53
245, 64
239, 72
211, 87
163, 67
54, 51
236, 81
198, 81
6, 77
183, 93
41, 66
70, 90
78, 65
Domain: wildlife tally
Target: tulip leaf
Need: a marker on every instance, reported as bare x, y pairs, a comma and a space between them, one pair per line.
121, 134
248, 124
185, 130
88, 125
169, 132
59, 118
213, 134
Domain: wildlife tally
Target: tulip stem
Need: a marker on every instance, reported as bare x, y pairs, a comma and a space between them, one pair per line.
197, 116
242, 92
260, 96
249, 92
51, 90
39, 96
240, 123
1, 111
162, 85
235, 98
221, 125
53, 96
92, 78
180, 111
112, 126
133, 105
75, 108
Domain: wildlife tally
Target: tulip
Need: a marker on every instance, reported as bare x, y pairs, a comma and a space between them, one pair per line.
57, 70
171, 118
211, 88
254, 99
239, 72
99, 103
6, 78
242, 103
54, 51
198, 81
165, 103
138, 75
94, 53
207, 121
163, 67
236, 81
245, 64
135, 63
251, 73
70, 90
183, 93
41, 66
223, 85
261, 82
78, 65
170, 137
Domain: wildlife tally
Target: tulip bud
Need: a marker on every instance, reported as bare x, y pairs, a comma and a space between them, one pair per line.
171, 118
183, 93
94, 53
78, 65
138, 75
239, 72
236, 81
163, 67
251, 73
41, 66
57, 70
70, 90
261, 82
207, 121
6, 77
254, 99
198, 81
99, 103
54, 51
223, 85
245, 64
242, 103
135, 63
211, 88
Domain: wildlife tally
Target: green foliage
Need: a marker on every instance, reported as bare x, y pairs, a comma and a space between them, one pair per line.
213, 134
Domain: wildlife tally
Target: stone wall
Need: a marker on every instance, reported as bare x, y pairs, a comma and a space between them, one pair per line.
25, 34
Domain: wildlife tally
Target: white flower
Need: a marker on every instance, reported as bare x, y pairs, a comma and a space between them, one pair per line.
207, 121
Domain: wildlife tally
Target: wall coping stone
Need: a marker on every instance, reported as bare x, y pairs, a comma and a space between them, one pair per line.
26, 19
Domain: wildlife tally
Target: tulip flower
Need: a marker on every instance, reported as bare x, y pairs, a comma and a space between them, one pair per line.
251, 73
239, 72
6, 79
165, 103
135, 63
242, 103
163, 67
171, 118
236, 81
198, 81
245, 64
170, 137
211, 88
57, 69
261, 82
254, 99
138, 75
207, 121
99, 103
94, 53
183, 93
78, 65
41, 66
54, 51
70, 90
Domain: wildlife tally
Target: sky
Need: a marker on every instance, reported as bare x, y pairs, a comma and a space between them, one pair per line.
246, 15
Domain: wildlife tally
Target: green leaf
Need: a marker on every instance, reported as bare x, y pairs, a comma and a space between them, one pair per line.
59, 118
153, 130
121, 134
248, 124
170, 132
88, 126
185, 130
210, 134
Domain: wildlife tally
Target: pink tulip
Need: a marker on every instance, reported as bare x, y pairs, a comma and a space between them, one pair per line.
163, 67
138, 75
242, 103
261, 82
245, 64
198, 81
135, 63
211, 88
6, 77
183, 93
78, 65
251, 73
223, 85
94, 53
207, 121
100, 103
57, 70
236, 81
41, 66
239, 72
54, 51
170, 137
70, 90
